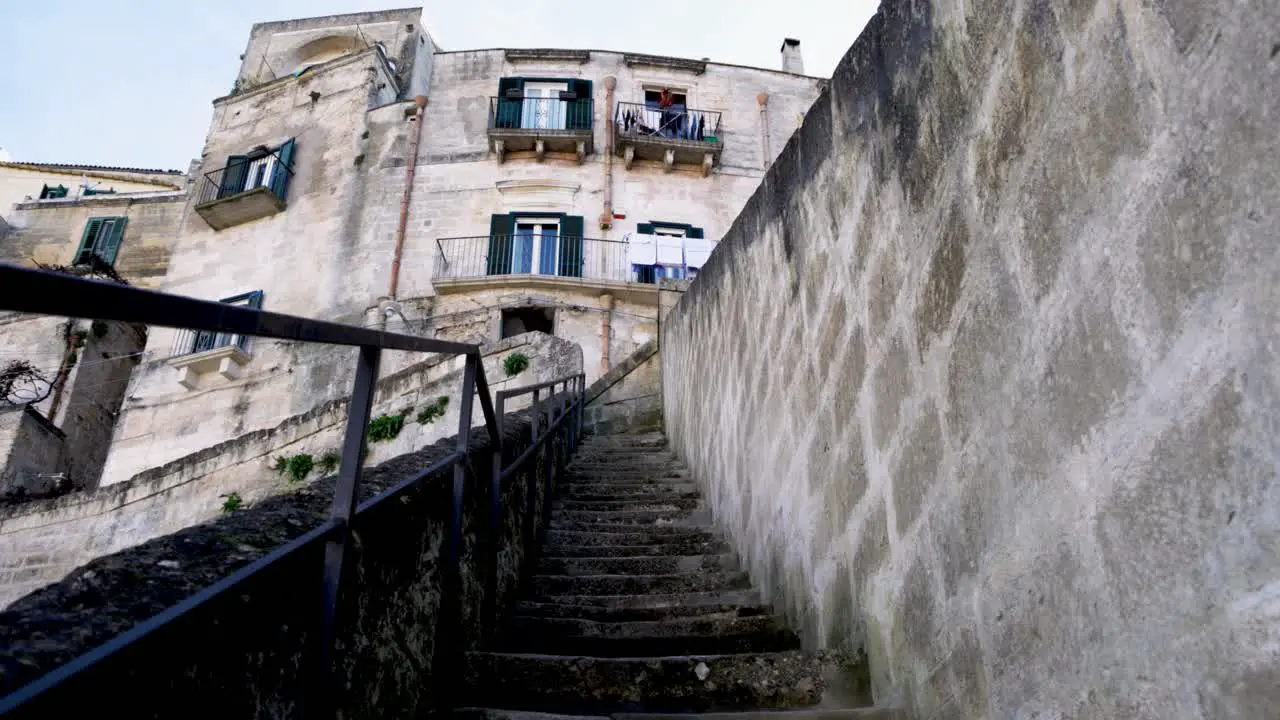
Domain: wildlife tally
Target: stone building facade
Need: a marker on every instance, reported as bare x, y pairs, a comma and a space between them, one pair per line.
358, 173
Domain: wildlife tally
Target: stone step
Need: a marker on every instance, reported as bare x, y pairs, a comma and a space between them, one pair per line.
617, 474
615, 608
651, 565
687, 683
692, 525
627, 505
863, 713
616, 492
718, 634
677, 546
621, 517
594, 534
551, 585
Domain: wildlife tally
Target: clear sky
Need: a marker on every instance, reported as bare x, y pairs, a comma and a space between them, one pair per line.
130, 82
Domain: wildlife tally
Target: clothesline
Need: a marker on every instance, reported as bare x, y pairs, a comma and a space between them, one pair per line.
650, 249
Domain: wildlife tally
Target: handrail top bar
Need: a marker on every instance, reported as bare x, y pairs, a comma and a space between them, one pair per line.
516, 392
44, 292
512, 235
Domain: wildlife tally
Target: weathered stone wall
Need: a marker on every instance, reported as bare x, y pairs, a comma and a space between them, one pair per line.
68, 531
20, 182
983, 378
391, 657
629, 397
49, 232
34, 453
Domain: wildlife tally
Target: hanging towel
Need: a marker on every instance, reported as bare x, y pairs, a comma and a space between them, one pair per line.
696, 251
641, 249
670, 250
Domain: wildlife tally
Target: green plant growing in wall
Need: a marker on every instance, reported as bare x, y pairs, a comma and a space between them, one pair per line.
515, 363
386, 427
435, 410
300, 467
281, 465
232, 503
329, 462
99, 329
78, 339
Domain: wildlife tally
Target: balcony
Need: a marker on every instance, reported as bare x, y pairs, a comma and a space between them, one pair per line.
197, 353
246, 189
541, 125
473, 263
674, 136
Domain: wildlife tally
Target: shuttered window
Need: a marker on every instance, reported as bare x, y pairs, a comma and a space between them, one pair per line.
101, 240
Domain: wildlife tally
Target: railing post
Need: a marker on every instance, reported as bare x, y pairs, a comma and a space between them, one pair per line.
495, 522
549, 459
531, 480
449, 636
322, 696
565, 426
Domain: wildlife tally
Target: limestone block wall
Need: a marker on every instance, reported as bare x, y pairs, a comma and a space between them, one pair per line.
629, 396
49, 232
983, 380
44, 540
20, 182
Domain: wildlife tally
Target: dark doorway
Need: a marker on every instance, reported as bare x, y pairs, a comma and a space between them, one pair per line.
528, 319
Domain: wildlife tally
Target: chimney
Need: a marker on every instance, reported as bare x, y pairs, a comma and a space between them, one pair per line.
791, 61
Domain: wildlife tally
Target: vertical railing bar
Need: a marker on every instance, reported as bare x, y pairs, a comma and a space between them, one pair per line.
344, 498
531, 480
490, 615
486, 407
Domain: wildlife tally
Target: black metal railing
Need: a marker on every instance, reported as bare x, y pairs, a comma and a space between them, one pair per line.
673, 123
245, 175
556, 432
556, 256
541, 114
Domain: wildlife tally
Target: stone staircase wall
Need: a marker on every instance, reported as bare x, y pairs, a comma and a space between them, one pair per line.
983, 378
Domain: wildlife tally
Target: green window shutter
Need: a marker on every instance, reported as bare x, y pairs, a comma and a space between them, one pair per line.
571, 227
233, 175
580, 109
501, 230
693, 232
509, 110
113, 233
87, 241
283, 170
645, 228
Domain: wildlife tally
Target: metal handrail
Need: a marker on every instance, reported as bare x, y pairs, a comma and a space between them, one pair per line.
572, 257
552, 116
52, 293
673, 123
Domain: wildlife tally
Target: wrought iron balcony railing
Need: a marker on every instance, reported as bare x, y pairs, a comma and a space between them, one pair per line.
638, 120
246, 189
549, 115
547, 256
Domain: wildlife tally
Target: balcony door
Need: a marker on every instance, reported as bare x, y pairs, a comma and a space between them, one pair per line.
542, 108
536, 246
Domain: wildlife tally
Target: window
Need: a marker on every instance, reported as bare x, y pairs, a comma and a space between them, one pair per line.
100, 241
543, 104
529, 319
264, 167
670, 259
203, 340
53, 193
653, 98
544, 244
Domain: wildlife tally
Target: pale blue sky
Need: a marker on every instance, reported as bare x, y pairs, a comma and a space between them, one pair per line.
129, 82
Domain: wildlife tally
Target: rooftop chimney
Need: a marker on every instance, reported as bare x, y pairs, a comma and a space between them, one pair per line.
791, 60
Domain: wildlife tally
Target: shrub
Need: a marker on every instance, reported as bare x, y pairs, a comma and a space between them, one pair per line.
329, 462
386, 427
435, 410
232, 503
300, 467
515, 363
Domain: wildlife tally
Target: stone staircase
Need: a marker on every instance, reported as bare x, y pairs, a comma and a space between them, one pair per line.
639, 610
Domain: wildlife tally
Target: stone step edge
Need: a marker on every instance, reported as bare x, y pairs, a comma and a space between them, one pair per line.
861, 713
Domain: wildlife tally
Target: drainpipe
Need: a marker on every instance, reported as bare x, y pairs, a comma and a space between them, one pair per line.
606, 215
421, 102
765, 158
606, 301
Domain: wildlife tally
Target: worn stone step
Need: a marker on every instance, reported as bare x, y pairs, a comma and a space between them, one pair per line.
863, 713
622, 517
616, 492
547, 585
690, 525
689, 683
594, 534
615, 608
651, 565
619, 475
718, 634
676, 546
627, 505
